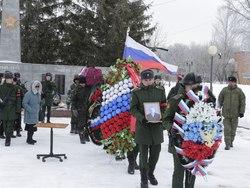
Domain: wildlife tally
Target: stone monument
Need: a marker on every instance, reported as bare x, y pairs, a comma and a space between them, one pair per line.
10, 43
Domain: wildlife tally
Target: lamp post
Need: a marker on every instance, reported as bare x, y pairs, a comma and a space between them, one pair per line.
212, 50
189, 64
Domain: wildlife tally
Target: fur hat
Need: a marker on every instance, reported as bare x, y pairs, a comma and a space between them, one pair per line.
189, 79
8, 74
157, 77
147, 74
198, 79
232, 79
82, 80
17, 75
76, 77
48, 74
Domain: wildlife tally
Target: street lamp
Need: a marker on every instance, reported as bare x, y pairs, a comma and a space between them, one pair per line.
212, 50
189, 64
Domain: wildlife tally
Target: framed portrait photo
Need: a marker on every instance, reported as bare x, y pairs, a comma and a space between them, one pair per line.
152, 112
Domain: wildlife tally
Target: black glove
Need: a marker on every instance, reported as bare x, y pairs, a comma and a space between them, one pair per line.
144, 121
241, 115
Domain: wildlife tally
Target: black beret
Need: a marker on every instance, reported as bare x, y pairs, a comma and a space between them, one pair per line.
232, 79
82, 80
198, 79
147, 74
157, 77
189, 79
8, 74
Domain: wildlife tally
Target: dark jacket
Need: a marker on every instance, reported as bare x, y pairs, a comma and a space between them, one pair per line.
49, 88
150, 133
11, 101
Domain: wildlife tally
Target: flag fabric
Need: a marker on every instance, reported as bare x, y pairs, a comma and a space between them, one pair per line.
145, 57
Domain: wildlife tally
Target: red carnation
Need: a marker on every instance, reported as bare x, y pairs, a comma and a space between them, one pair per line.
98, 92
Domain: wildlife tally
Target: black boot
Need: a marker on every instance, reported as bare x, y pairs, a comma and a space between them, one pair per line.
151, 177
82, 138
72, 128
2, 136
231, 145
13, 136
7, 141
86, 134
144, 178
76, 129
18, 133
29, 138
227, 147
131, 165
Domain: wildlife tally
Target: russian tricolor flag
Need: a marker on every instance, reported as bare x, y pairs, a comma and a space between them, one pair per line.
145, 57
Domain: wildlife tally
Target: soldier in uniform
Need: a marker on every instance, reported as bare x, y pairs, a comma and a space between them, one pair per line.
233, 103
1, 124
178, 175
10, 104
148, 136
79, 99
174, 90
157, 80
74, 121
48, 89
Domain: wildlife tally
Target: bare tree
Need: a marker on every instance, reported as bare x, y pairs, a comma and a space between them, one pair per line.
225, 37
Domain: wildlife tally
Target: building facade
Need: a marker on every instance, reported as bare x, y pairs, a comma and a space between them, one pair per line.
242, 59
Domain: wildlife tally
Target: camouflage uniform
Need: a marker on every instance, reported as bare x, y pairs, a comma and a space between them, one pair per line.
233, 102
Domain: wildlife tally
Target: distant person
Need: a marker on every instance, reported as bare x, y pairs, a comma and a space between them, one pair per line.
153, 116
174, 90
10, 104
79, 99
157, 80
48, 89
31, 104
74, 120
233, 103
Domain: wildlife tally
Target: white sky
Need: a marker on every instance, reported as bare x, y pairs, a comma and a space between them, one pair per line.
185, 21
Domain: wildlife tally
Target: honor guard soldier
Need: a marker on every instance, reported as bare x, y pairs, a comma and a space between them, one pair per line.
148, 135
10, 105
48, 89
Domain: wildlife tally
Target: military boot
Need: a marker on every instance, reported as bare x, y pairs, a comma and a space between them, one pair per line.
144, 178
7, 141
131, 165
151, 177
72, 128
18, 133
86, 134
2, 136
82, 138
227, 147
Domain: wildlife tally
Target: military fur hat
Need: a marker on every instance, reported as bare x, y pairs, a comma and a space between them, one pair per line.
82, 80
76, 77
48, 74
198, 79
17, 75
189, 79
157, 77
232, 79
147, 74
8, 74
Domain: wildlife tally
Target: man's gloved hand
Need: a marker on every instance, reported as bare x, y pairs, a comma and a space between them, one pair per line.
241, 115
75, 113
144, 121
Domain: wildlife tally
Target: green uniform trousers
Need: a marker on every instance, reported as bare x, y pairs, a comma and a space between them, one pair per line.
154, 153
178, 175
230, 126
8, 126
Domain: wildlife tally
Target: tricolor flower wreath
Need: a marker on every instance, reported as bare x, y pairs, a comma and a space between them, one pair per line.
114, 118
199, 132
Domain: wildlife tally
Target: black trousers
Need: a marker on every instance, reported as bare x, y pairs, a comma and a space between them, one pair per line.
48, 112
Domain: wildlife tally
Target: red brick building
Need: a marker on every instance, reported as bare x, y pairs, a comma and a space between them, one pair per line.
242, 59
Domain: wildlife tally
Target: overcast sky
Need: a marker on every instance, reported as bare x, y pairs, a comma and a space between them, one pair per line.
185, 21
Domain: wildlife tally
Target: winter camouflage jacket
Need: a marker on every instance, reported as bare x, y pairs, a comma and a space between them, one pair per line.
233, 102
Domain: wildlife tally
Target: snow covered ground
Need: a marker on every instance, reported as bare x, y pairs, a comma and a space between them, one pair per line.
89, 166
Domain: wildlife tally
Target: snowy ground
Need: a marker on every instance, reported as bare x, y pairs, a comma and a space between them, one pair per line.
89, 166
